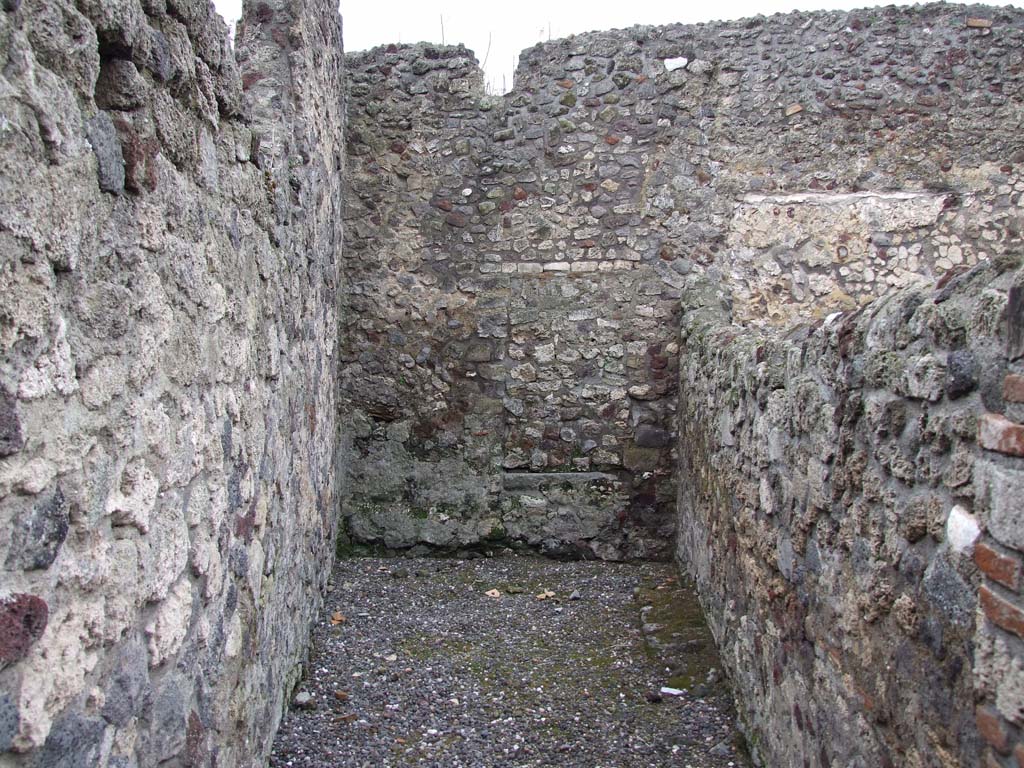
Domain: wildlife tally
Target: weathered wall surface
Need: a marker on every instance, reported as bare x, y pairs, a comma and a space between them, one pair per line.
834, 473
834, 485
169, 227
503, 320
516, 262
510, 365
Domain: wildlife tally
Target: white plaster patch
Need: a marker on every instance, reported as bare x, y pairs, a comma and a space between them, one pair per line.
134, 500
53, 372
167, 630
233, 644
766, 497
961, 530
677, 63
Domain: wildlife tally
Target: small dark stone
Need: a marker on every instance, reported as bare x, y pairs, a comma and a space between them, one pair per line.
74, 742
8, 721
120, 86
1015, 323
456, 219
11, 439
478, 352
106, 146
946, 589
234, 488
682, 266
653, 697
652, 437
128, 681
22, 621
238, 560
226, 435
160, 62
39, 533
233, 232
961, 373
167, 724
12, 5
720, 750
910, 304
400, 573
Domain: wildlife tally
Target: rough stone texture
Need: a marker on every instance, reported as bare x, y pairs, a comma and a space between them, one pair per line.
829, 510
168, 283
509, 360
492, 324
515, 262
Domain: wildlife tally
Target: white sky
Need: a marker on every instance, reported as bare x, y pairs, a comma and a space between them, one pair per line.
514, 26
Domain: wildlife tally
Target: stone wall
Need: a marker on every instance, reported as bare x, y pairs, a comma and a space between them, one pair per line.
831, 479
833, 475
832, 491
515, 263
509, 296
169, 231
503, 319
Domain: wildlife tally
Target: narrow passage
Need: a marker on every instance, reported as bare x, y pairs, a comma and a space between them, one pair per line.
563, 663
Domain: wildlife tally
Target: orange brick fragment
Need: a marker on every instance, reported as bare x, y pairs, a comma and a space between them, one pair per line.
1001, 611
1004, 569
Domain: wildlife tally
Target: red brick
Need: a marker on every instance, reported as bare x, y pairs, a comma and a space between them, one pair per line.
1004, 569
1001, 611
1013, 388
22, 621
998, 433
992, 729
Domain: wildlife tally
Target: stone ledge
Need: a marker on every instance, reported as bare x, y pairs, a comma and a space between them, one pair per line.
524, 481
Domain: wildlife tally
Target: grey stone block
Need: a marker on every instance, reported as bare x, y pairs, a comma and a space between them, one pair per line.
106, 146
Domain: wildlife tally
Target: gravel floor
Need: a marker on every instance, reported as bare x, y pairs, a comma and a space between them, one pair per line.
414, 663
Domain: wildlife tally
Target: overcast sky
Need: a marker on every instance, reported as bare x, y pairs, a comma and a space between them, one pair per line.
508, 28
